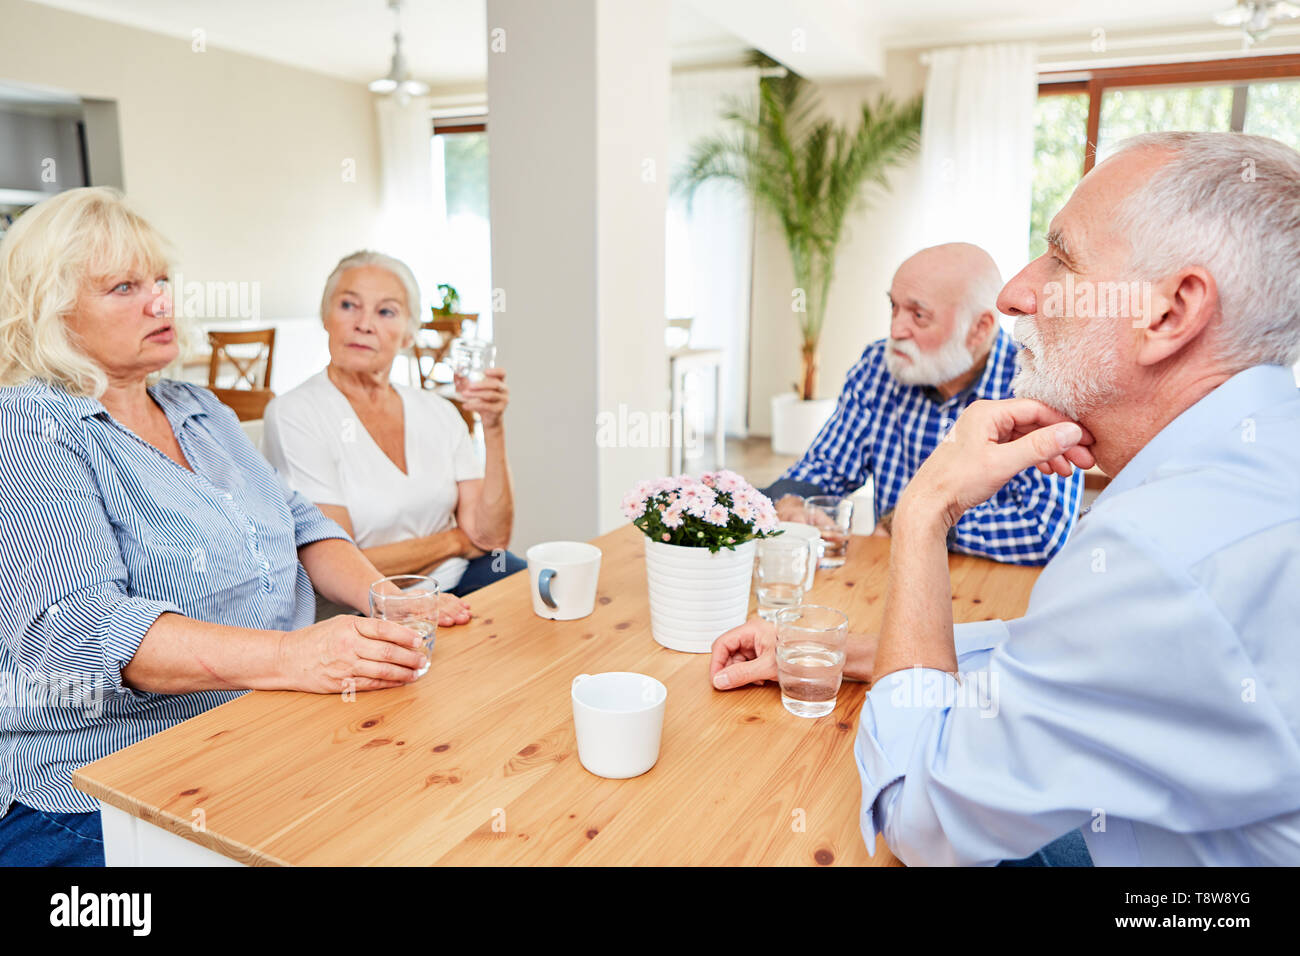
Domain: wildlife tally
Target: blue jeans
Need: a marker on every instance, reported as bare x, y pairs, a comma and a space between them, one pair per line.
1068, 850
480, 572
31, 837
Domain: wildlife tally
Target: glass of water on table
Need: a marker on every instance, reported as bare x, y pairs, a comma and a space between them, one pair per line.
810, 642
833, 518
781, 567
414, 604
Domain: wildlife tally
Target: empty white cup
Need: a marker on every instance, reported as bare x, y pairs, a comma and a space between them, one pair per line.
810, 534
562, 576
619, 720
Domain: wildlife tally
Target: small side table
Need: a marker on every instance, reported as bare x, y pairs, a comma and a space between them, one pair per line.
680, 363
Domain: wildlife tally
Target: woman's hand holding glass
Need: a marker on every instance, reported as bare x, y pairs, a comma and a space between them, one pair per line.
488, 397
350, 653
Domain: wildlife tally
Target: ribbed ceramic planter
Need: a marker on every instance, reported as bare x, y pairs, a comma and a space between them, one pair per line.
695, 595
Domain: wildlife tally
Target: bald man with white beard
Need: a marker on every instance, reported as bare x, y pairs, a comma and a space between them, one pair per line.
945, 350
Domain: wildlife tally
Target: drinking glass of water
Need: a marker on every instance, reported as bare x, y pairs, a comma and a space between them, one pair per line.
413, 605
833, 517
781, 567
810, 643
470, 360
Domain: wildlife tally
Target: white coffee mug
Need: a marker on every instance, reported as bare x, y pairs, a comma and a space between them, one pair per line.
619, 720
814, 538
562, 576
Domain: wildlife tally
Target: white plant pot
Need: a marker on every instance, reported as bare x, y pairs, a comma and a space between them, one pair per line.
695, 595
795, 423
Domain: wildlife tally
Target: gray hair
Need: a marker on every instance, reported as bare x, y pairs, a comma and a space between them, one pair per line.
1229, 203
397, 267
982, 292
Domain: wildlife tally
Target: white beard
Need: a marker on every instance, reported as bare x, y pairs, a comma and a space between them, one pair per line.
929, 368
1073, 383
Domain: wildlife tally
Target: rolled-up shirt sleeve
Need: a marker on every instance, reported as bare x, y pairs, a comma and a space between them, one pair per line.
309, 523
1117, 697
67, 613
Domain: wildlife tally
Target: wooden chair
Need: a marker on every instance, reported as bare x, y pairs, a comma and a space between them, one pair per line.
433, 341
249, 403
439, 333
246, 366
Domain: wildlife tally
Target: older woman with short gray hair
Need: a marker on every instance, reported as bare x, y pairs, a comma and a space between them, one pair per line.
395, 465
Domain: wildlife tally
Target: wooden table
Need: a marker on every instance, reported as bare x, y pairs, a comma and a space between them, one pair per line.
476, 762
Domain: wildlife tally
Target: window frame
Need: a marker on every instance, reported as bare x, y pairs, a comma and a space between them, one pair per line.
1238, 71
441, 127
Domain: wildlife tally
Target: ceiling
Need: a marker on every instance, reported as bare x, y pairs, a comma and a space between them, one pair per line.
446, 47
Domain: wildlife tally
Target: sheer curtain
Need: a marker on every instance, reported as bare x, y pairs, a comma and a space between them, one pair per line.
405, 227
977, 147
710, 249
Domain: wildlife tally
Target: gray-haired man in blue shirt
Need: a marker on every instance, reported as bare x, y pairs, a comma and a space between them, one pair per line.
1148, 703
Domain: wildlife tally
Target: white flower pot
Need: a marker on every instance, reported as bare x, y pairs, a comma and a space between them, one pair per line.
695, 595
795, 423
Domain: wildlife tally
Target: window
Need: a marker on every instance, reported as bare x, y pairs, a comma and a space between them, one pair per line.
1080, 121
460, 216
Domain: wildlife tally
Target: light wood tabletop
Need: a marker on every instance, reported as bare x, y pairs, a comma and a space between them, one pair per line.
476, 762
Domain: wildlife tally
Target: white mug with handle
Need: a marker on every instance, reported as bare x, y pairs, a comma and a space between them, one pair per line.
562, 577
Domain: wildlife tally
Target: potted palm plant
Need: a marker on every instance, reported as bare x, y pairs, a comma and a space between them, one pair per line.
810, 174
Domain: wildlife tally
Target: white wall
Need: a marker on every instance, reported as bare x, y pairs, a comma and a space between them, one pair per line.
578, 101
239, 161
877, 239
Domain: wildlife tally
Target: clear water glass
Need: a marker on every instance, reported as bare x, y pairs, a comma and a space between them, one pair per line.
414, 605
470, 359
810, 643
781, 570
832, 516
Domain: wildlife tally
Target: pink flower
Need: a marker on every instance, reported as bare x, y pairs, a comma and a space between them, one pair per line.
717, 515
744, 511
730, 481
673, 516
666, 536
633, 505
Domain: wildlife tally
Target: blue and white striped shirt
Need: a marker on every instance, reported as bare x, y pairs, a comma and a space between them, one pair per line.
884, 429
100, 533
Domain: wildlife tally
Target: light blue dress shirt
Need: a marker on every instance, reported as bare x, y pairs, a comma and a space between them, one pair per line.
1150, 696
100, 534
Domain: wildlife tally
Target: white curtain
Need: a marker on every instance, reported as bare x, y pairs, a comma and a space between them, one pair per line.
710, 249
977, 146
405, 228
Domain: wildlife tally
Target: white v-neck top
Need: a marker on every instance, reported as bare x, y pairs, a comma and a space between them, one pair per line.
315, 440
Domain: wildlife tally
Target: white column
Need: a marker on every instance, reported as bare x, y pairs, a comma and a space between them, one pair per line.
578, 133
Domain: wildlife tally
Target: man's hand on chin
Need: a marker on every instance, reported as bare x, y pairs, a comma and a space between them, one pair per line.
991, 443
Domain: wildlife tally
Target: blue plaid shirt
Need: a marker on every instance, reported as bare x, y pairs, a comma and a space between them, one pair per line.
885, 429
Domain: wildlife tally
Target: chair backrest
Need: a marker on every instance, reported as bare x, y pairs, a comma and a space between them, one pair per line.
246, 365
434, 339
249, 403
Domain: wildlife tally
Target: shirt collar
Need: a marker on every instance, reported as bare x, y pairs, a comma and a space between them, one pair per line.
177, 402
1224, 408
